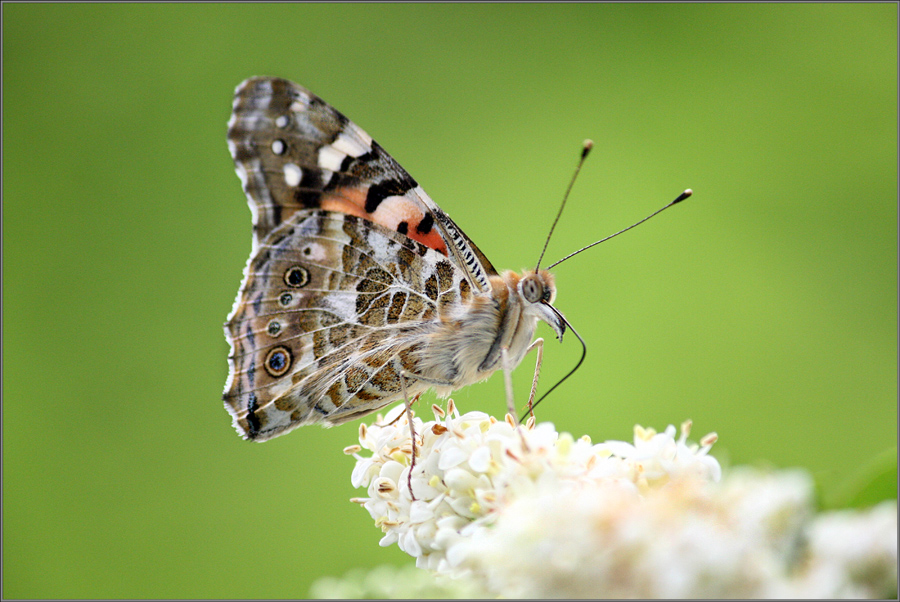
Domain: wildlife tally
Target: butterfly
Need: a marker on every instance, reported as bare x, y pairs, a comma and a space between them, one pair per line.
359, 291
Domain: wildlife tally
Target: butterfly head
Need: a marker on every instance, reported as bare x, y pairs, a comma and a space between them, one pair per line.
538, 290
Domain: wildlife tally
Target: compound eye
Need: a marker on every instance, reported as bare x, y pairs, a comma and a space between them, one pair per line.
532, 290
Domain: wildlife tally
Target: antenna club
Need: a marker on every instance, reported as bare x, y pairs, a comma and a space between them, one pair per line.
688, 192
587, 145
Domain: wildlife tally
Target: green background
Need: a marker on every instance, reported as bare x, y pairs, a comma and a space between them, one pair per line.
764, 308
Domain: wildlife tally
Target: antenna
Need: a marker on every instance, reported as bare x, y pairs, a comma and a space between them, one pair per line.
680, 198
585, 149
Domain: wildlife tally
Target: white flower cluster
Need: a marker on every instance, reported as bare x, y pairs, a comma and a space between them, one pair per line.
529, 512
389, 582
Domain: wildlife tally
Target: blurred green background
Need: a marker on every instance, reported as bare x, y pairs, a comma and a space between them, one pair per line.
764, 308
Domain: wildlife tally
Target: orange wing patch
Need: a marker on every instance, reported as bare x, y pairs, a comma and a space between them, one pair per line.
399, 213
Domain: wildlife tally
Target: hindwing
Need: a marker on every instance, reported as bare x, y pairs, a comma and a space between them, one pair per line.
331, 309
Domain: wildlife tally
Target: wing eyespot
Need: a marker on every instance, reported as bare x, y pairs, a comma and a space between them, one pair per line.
278, 361
297, 276
273, 328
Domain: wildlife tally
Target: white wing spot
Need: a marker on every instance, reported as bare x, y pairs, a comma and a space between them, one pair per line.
265, 89
292, 174
331, 158
278, 147
366, 139
282, 121
314, 252
241, 173
342, 305
351, 145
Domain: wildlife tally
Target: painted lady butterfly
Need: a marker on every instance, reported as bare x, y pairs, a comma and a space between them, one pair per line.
360, 291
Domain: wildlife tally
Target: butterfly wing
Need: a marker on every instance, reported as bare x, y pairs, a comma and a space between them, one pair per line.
294, 151
352, 266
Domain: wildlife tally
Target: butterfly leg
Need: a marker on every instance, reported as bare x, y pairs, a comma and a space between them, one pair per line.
412, 433
430, 381
399, 416
404, 376
539, 345
507, 382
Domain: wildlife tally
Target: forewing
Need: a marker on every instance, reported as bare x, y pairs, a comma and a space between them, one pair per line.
293, 151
